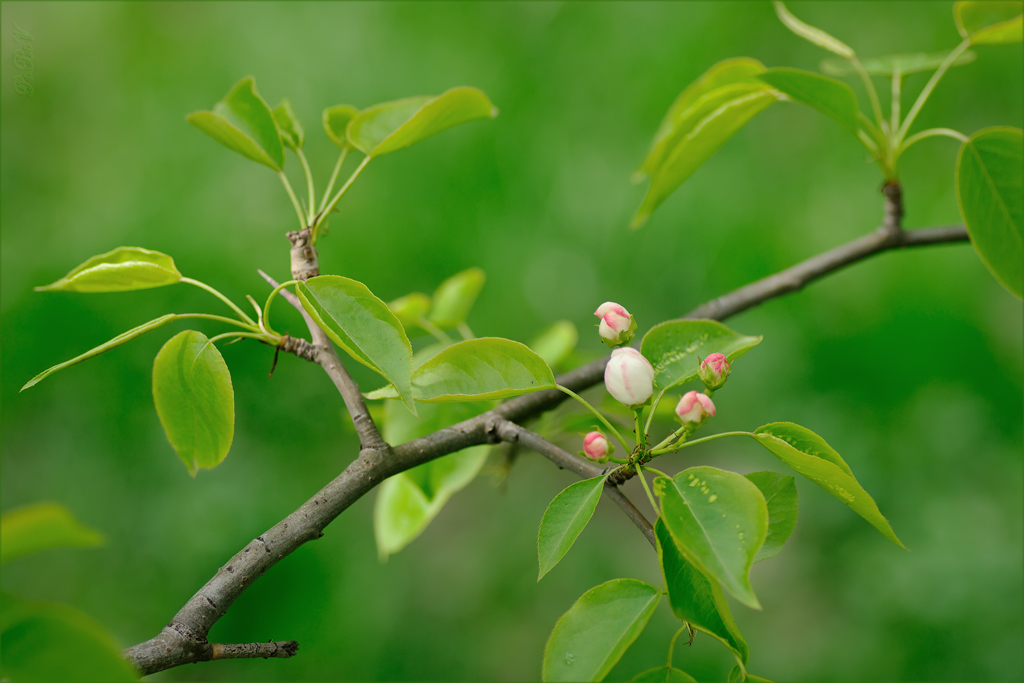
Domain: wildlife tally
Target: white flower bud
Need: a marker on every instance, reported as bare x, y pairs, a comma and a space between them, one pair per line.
629, 377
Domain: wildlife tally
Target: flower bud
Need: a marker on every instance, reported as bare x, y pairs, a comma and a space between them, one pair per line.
629, 377
714, 370
617, 325
596, 447
694, 407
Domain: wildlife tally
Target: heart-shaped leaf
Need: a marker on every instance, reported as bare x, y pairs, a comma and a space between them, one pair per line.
663, 674
388, 127
779, 491
336, 120
592, 636
455, 297
194, 399
990, 23
243, 123
674, 347
990, 189
567, 515
122, 270
42, 526
893, 64
809, 455
832, 98
812, 34
293, 135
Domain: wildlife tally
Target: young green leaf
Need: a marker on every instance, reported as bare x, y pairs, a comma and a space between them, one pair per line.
565, 518
391, 126
243, 123
592, 636
409, 309
555, 343
363, 326
663, 674
809, 455
812, 34
122, 270
42, 526
832, 98
990, 190
336, 120
779, 491
292, 133
480, 369
892, 64
695, 598
719, 521
113, 343
990, 23
195, 400
455, 297
673, 348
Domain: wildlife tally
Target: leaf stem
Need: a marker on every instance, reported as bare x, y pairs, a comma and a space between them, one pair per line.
606, 423
249, 335
706, 438
647, 490
344, 188
672, 643
876, 106
926, 93
933, 132
435, 331
309, 183
295, 200
219, 318
654, 406
202, 285
266, 306
894, 108
334, 178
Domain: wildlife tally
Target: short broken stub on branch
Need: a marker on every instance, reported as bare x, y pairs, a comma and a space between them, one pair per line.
304, 260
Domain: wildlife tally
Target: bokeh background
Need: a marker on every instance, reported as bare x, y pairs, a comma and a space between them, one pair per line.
909, 364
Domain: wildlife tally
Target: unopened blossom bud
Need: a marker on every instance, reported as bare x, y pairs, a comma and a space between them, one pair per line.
596, 447
629, 377
617, 325
694, 407
714, 370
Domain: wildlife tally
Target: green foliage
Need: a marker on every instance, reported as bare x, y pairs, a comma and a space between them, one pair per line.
779, 491
42, 526
832, 98
122, 270
410, 309
566, 517
676, 347
896, 64
293, 135
454, 298
555, 343
336, 120
990, 23
812, 34
243, 123
663, 674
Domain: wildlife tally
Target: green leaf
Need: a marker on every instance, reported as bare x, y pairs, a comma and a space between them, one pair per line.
42, 526
565, 518
113, 343
480, 369
892, 64
719, 521
832, 98
194, 399
673, 348
989, 23
706, 126
409, 309
555, 343
695, 598
455, 297
592, 636
243, 123
738, 675
726, 72
812, 34
779, 491
293, 135
363, 326
663, 674
391, 126
809, 455
990, 190
336, 120
122, 270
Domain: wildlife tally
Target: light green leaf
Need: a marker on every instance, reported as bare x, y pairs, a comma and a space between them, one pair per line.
809, 455
812, 34
122, 270
891, 64
555, 343
409, 309
779, 491
42, 526
673, 348
719, 521
592, 636
388, 127
113, 343
293, 135
565, 518
832, 98
480, 369
663, 674
990, 190
195, 400
455, 297
336, 120
738, 675
989, 23
243, 123
695, 598
363, 326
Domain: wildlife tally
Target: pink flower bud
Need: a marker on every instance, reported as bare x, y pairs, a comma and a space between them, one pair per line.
595, 446
714, 370
617, 325
629, 377
694, 407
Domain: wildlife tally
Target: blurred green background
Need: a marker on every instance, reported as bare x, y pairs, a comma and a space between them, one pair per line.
909, 364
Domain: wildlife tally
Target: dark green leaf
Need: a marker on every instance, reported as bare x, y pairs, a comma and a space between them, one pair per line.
455, 297
42, 526
779, 491
812, 34
891, 64
990, 189
719, 521
363, 326
122, 270
194, 399
243, 123
388, 127
809, 455
695, 598
673, 348
336, 120
592, 636
989, 23
832, 98
292, 133
565, 518
556, 342
663, 674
